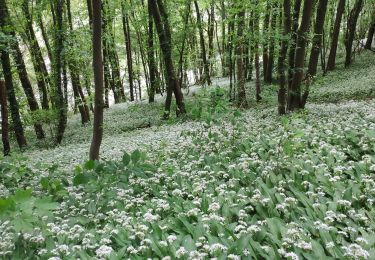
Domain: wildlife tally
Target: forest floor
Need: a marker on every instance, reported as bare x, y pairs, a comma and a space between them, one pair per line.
221, 182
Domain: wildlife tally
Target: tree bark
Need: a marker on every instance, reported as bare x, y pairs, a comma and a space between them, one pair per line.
98, 77
293, 40
266, 24
206, 64
241, 92
287, 24
151, 55
350, 30
13, 103
294, 95
61, 105
317, 39
4, 118
335, 36
129, 59
163, 29
271, 54
37, 57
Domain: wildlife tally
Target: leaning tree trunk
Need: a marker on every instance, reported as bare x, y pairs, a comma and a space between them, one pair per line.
335, 36
163, 29
350, 33
13, 103
317, 40
294, 95
287, 24
98, 78
36, 56
21, 67
206, 64
4, 119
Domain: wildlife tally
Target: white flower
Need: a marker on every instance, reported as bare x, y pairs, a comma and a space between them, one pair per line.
214, 207
103, 251
355, 251
149, 217
181, 252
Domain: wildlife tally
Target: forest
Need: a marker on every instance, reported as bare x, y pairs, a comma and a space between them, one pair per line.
187, 129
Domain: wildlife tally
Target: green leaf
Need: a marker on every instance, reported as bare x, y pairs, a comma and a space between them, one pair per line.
89, 165
79, 179
126, 159
22, 195
136, 155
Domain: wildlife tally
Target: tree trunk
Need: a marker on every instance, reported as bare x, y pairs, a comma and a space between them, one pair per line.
271, 54
317, 40
241, 92
294, 95
350, 33
293, 40
206, 64
13, 103
89, 11
36, 56
129, 59
98, 77
335, 36
79, 98
59, 99
4, 118
266, 23
211, 32
256, 59
21, 67
287, 24
163, 29
151, 55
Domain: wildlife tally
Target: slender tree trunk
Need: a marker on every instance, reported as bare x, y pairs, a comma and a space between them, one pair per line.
317, 40
45, 37
59, 47
37, 57
351, 27
256, 59
294, 95
293, 40
13, 103
182, 50
79, 98
287, 24
163, 29
206, 64
129, 59
20, 65
98, 77
271, 54
89, 11
4, 118
211, 32
241, 92
151, 55
266, 23
335, 36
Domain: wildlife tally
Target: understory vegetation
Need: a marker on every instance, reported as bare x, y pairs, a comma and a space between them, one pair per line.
219, 183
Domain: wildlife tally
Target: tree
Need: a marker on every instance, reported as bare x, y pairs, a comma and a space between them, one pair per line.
152, 66
164, 33
206, 65
98, 77
335, 36
20, 65
60, 102
294, 95
317, 39
287, 24
241, 93
350, 30
4, 119
370, 34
